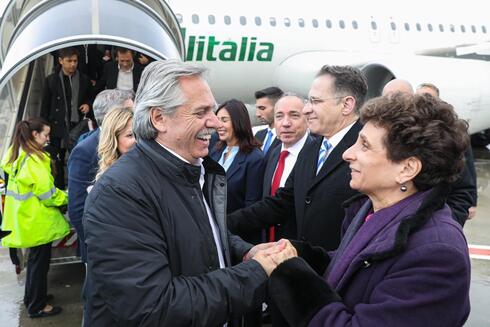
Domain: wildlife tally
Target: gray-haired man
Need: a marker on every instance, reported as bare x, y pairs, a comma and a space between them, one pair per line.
159, 253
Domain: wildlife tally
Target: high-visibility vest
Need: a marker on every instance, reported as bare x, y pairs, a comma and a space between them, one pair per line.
31, 202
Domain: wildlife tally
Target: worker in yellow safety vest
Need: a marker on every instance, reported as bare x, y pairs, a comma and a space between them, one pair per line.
32, 211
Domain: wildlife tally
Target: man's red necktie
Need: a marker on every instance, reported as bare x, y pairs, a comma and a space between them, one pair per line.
276, 180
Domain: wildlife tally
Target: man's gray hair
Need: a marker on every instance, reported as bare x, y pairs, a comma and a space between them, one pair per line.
108, 99
160, 88
293, 94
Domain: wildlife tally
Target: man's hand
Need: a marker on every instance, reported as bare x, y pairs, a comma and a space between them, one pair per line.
84, 108
143, 60
253, 251
471, 212
269, 258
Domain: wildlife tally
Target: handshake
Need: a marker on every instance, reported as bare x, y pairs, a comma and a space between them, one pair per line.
270, 255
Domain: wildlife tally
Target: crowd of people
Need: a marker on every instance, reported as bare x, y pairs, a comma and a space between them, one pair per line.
329, 216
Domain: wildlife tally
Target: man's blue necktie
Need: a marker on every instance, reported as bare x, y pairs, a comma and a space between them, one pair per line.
268, 141
322, 155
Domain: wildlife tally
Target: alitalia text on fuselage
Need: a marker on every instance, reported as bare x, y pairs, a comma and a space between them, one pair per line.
208, 48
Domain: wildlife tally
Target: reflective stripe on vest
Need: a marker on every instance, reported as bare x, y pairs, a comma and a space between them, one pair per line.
19, 197
48, 194
23, 197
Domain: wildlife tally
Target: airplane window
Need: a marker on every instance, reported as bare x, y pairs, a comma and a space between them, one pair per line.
328, 22
179, 18
227, 20
429, 27
393, 26
451, 28
314, 22
342, 24
441, 27
463, 29
258, 21
374, 26
287, 22
301, 22
419, 28
473, 28
484, 29
243, 20
407, 27
211, 19
195, 19
355, 25
272, 21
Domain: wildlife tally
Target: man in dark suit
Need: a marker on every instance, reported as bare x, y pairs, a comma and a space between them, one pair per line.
67, 98
313, 195
123, 73
264, 111
463, 196
83, 161
292, 130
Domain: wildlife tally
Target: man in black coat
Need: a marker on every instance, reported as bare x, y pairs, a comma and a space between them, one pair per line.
313, 195
67, 98
292, 129
463, 196
158, 249
124, 73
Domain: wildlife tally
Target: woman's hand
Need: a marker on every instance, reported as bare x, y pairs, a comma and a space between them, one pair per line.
272, 256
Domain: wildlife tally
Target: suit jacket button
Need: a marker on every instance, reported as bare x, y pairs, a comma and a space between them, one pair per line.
56, 110
210, 268
57, 98
307, 200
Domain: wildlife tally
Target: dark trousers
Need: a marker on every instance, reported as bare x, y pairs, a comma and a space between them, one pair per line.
14, 257
37, 278
58, 155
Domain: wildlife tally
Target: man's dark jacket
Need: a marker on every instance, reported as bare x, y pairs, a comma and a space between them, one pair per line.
271, 164
309, 203
152, 259
287, 230
83, 164
463, 193
111, 72
53, 108
260, 135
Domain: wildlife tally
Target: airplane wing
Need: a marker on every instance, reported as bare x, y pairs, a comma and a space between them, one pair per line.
478, 49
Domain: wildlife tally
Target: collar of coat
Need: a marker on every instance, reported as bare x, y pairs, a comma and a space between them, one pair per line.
173, 167
433, 201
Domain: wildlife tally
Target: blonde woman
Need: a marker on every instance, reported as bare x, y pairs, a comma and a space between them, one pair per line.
116, 137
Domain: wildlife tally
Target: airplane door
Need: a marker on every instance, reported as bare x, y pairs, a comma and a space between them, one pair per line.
30, 29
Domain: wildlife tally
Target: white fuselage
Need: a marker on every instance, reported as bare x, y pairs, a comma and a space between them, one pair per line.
254, 44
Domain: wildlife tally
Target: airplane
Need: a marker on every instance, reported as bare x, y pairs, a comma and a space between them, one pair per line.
255, 44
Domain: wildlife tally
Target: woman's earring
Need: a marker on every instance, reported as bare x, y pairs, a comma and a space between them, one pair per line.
403, 188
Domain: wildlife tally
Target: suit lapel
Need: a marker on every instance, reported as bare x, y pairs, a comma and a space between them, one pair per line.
236, 164
335, 157
260, 135
270, 168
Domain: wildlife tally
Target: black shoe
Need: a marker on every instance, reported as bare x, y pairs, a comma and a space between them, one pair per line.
41, 313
